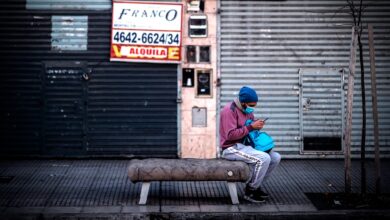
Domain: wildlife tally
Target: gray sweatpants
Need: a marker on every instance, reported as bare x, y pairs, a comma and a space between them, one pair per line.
261, 164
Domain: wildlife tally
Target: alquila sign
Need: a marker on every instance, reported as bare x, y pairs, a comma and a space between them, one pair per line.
146, 32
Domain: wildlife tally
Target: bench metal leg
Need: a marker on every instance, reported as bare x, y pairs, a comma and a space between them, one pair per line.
144, 193
233, 192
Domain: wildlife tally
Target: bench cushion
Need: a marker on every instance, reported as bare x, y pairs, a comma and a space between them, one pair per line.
187, 170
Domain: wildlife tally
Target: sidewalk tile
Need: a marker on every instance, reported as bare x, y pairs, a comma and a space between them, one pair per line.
258, 208
140, 209
219, 208
187, 208
62, 210
24, 210
297, 208
102, 209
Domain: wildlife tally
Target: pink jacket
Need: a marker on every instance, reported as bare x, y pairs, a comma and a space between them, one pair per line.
231, 126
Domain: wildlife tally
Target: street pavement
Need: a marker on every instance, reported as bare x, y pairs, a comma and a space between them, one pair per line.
100, 188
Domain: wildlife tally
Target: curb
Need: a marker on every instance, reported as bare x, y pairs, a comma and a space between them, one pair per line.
325, 215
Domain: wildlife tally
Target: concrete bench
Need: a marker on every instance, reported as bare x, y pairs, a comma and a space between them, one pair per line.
148, 170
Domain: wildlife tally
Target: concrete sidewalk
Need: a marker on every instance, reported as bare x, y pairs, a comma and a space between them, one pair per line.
88, 189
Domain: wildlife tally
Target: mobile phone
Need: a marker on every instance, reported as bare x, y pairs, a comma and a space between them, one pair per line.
265, 119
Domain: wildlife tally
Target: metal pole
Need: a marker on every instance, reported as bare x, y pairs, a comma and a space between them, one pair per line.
374, 109
348, 127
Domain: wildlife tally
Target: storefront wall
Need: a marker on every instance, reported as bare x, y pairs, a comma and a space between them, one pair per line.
295, 54
61, 95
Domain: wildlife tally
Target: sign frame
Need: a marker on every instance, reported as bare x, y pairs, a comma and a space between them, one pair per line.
135, 41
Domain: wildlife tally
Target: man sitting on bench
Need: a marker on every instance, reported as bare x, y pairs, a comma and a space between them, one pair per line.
232, 132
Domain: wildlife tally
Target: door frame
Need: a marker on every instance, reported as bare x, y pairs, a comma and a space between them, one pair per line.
301, 107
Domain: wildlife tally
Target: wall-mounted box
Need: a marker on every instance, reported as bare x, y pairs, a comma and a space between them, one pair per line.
197, 26
204, 54
198, 54
188, 77
204, 83
199, 117
195, 6
191, 54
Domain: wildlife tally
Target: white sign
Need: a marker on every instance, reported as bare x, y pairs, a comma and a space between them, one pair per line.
146, 31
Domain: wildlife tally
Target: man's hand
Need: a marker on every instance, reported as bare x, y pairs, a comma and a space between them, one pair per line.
258, 124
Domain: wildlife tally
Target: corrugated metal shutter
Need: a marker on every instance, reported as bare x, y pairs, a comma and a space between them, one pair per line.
67, 99
321, 107
64, 107
264, 44
132, 110
24, 37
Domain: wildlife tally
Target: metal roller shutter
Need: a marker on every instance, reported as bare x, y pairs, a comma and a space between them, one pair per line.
264, 44
132, 110
61, 96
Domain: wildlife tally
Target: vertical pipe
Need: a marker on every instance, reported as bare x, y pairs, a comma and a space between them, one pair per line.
179, 101
300, 97
218, 69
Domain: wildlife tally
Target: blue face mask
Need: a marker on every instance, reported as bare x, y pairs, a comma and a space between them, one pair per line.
249, 110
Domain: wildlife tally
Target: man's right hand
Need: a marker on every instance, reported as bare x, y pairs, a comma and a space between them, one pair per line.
258, 124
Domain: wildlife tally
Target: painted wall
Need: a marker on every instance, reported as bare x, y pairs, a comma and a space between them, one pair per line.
200, 142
